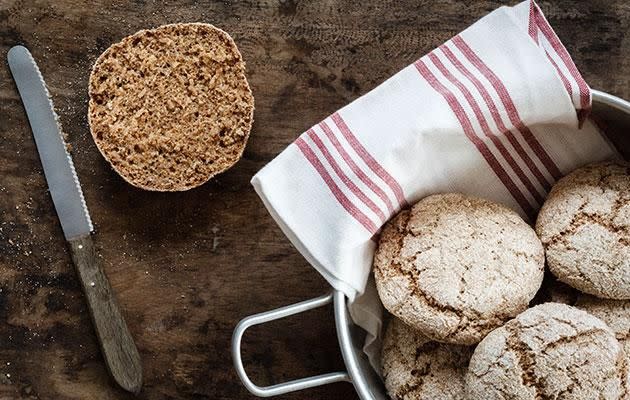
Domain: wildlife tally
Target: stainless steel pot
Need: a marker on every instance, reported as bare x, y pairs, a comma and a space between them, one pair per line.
611, 112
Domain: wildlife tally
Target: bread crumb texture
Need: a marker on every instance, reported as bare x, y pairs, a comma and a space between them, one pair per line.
551, 351
585, 228
456, 267
171, 107
416, 368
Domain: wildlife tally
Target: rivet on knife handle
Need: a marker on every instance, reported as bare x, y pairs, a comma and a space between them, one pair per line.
117, 344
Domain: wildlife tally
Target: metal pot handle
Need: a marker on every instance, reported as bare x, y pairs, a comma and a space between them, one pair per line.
286, 387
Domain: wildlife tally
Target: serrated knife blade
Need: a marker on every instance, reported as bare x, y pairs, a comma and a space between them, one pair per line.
117, 345
61, 176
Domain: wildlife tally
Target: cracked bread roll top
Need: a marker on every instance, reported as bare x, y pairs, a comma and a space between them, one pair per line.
615, 313
171, 107
416, 368
455, 267
585, 228
551, 351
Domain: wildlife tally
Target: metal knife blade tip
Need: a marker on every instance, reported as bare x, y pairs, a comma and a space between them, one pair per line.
59, 169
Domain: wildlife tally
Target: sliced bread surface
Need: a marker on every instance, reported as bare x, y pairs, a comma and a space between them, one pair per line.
171, 107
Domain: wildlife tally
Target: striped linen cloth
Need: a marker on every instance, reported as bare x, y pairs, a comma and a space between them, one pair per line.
494, 112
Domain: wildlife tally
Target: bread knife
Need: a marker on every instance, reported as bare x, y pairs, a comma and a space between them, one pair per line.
117, 345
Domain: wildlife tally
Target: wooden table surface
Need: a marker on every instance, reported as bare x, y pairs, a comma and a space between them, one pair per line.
187, 266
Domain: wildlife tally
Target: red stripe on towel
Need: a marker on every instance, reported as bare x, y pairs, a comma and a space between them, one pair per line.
341, 198
369, 160
355, 168
509, 105
563, 78
496, 116
344, 178
532, 27
547, 30
486, 129
459, 112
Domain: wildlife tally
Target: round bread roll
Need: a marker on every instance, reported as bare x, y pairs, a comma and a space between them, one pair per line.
416, 368
551, 351
171, 107
585, 228
615, 313
456, 267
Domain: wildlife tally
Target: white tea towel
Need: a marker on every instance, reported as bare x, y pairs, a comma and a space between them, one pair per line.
494, 112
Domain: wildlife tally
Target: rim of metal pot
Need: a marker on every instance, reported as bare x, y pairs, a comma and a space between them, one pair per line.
611, 100
367, 384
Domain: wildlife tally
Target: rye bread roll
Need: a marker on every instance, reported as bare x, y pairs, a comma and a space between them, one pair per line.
551, 351
585, 228
170, 107
455, 267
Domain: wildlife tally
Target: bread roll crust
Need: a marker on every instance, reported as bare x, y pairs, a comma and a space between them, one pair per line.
455, 267
416, 368
585, 228
551, 351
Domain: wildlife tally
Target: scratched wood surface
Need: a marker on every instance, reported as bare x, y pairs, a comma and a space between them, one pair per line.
187, 266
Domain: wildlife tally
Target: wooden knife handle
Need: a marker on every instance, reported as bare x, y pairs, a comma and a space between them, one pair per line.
117, 345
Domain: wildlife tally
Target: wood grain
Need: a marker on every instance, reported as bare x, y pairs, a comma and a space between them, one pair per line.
117, 346
186, 267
